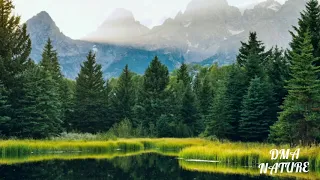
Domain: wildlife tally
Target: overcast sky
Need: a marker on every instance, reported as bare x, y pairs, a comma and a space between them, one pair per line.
76, 18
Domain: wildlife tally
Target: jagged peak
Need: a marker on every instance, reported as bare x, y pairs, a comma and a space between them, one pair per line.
205, 4
269, 4
43, 15
179, 14
120, 14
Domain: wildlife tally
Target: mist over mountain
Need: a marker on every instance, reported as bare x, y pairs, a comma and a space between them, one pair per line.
120, 27
207, 31
73, 52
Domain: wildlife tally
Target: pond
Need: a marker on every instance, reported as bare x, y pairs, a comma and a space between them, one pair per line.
146, 166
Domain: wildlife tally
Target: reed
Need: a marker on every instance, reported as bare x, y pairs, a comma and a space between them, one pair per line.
67, 156
240, 170
246, 154
16, 148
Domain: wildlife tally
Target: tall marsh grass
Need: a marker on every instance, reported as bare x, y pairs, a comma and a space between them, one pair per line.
16, 148
230, 154
246, 154
240, 170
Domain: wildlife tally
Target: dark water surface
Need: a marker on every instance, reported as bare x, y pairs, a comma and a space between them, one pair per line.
141, 167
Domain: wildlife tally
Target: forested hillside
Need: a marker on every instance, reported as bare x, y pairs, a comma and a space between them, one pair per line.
267, 95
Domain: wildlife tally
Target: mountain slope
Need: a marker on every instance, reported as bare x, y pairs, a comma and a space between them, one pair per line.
208, 31
208, 28
73, 52
120, 27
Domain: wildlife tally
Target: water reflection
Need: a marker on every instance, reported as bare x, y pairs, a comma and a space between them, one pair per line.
139, 167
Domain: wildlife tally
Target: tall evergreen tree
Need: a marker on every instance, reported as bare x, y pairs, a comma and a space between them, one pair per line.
4, 108
197, 86
189, 112
183, 75
309, 22
109, 114
66, 96
236, 87
15, 48
219, 117
123, 98
15, 44
252, 57
50, 61
277, 70
255, 114
37, 112
253, 47
206, 96
299, 120
89, 105
156, 79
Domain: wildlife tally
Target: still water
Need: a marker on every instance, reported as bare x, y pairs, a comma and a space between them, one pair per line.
139, 167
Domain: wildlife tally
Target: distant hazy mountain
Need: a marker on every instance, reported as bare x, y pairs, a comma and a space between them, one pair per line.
73, 52
208, 31
212, 27
120, 27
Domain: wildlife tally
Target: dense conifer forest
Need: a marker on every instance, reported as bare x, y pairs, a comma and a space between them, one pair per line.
267, 95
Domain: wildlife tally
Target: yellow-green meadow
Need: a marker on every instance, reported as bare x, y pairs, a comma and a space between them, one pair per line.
215, 157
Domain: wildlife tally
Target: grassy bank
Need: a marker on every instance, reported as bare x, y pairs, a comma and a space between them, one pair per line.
244, 154
240, 170
16, 148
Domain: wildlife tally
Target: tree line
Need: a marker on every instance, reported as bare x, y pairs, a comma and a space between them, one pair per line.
267, 95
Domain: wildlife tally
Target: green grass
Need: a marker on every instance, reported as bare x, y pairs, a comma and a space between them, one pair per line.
240, 170
16, 148
246, 154
230, 155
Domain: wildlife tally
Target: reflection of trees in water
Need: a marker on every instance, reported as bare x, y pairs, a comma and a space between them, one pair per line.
143, 167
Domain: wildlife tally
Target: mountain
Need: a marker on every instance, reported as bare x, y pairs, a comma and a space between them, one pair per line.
120, 27
199, 30
211, 29
207, 31
73, 52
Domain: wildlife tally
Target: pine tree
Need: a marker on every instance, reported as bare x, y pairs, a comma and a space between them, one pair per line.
66, 96
309, 22
197, 86
37, 112
4, 108
89, 102
236, 87
253, 47
256, 117
15, 48
299, 120
189, 112
206, 96
123, 98
50, 61
15, 44
205, 100
109, 114
277, 69
156, 79
165, 126
253, 67
219, 117
183, 75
